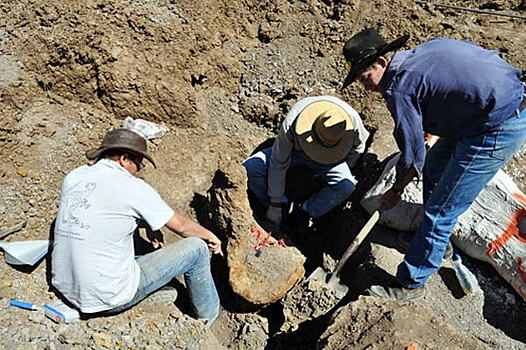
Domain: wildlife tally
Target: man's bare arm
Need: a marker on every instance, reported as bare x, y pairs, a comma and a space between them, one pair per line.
185, 227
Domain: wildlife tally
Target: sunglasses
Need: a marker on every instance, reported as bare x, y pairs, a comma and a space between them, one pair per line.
138, 160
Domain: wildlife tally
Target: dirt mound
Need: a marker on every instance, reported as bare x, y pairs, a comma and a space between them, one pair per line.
358, 324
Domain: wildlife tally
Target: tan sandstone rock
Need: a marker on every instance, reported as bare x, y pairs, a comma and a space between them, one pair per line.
261, 277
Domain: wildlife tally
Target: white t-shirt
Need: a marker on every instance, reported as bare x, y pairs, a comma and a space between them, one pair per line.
93, 263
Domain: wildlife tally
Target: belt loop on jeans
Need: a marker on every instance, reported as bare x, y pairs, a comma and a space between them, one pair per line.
523, 104
520, 109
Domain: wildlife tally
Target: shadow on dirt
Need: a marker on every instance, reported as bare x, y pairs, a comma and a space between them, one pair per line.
503, 307
305, 337
450, 279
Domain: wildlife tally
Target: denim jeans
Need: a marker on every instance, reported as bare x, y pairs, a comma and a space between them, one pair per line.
189, 256
455, 172
340, 181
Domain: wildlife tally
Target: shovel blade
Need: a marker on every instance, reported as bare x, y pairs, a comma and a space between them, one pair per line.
319, 274
339, 288
332, 282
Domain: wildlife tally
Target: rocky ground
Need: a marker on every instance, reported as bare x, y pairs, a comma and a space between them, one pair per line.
221, 75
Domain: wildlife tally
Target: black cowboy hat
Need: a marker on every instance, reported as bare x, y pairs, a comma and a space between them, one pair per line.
123, 139
364, 48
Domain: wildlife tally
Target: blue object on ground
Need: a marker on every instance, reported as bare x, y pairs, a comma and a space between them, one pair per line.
467, 280
24, 305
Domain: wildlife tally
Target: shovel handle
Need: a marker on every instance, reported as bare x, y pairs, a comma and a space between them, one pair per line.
356, 242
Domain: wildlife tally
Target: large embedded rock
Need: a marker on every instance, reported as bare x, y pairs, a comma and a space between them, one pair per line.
494, 230
260, 276
408, 213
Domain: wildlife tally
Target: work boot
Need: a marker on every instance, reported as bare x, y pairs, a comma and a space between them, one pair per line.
397, 292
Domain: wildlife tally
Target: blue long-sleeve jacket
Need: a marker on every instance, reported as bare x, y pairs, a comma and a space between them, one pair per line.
448, 88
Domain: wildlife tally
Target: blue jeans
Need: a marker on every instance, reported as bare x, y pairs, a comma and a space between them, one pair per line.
189, 256
340, 181
455, 172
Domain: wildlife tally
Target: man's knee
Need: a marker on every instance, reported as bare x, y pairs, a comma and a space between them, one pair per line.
346, 187
257, 163
196, 243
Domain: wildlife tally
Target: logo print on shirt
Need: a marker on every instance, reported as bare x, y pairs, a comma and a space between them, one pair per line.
77, 200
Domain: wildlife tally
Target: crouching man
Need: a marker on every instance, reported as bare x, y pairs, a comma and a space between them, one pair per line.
93, 260
321, 133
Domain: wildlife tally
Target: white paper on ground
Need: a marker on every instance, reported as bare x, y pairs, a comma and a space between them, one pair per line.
24, 252
146, 129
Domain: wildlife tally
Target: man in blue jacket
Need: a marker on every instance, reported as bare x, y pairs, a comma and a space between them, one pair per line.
469, 97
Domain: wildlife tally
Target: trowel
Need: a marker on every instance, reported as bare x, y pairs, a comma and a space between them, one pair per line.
333, 280
24, 252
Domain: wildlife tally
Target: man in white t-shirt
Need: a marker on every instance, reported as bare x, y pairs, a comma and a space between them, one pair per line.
93, 260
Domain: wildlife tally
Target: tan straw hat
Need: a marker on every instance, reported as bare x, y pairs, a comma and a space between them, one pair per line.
325, 132
123, 139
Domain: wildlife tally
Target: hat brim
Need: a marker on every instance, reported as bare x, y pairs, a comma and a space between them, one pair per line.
96, 152
311, 146
392, 46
